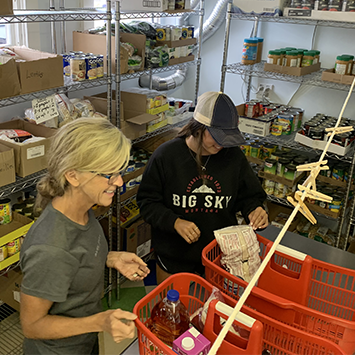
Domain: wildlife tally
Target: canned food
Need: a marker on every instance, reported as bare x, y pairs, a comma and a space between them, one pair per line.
66, 64
281, 163
5, 211
269, 186
316, 133
160, 34
290, 172
267, 150
276, 129
191, 31
279, 190
338, 172
184, 32
91, 67
255, 151
27, 211
336, 204
18, 207
277, 154
342, 139
29, 202
250, 109
175, 33
245, 148
309, 126
168, 33
3, 253
13, 247
296, 117
99, 65
270, 166
287, 121
78, 68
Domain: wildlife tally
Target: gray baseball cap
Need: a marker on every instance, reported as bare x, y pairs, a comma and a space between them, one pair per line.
218, 113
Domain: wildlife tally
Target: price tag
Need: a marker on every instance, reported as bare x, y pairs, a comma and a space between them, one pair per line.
44, 109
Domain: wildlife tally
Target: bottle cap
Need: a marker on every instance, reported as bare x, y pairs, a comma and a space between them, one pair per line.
173, 295
188, 343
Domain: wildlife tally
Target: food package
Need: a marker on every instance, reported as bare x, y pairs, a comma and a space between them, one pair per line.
135, 62
157, 57
240, 250
84, 108
15, 135
129, 47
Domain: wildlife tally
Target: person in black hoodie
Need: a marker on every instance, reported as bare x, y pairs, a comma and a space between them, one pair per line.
195, 184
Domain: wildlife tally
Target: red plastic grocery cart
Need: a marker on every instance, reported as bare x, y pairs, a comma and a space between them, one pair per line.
264, 332
305, 293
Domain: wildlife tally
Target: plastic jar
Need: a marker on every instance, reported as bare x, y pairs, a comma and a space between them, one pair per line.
250, 47
342, 65
259, 49
291, 58
308, 59
290, 48
270, 166
334, 5
282, 56
316, 56
299, 57
351, 63
274, 57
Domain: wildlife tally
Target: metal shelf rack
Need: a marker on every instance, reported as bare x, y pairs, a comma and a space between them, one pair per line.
314, 79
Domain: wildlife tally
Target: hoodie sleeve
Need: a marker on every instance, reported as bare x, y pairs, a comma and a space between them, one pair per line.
250, 192
150, 197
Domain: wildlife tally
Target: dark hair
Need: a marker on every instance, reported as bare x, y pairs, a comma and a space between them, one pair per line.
195, 129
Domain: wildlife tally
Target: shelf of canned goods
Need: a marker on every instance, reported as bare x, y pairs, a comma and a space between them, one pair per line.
313, 79
294, 20
257, 70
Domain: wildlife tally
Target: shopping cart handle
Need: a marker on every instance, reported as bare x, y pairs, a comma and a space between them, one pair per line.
240, 317
291, 252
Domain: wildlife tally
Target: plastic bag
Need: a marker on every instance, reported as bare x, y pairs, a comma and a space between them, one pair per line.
141, 27
129, 48
157, 57
134, 62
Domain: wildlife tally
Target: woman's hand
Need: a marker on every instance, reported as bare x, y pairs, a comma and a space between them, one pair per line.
128, 264
188, 230
119, 324
258, 218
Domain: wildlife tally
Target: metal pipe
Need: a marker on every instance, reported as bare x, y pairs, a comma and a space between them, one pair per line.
63, 29
210, 26
226, 45
53, 30
198, 69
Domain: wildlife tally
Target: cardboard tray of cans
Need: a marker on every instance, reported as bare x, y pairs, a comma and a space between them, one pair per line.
280, 179
330, 75
295, 71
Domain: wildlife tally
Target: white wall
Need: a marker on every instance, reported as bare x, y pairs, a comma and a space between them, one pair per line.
330, 41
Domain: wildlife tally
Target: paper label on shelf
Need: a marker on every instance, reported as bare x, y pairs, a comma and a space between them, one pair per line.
144, 248
35, 152
16, 296
45, 109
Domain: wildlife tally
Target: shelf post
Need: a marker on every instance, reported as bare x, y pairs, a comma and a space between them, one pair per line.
198, 68
63, 29
226, 44
53, 30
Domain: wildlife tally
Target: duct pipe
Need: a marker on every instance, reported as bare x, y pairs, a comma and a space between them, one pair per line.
211, 25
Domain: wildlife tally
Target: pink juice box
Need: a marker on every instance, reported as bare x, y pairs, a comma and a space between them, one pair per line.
192, 342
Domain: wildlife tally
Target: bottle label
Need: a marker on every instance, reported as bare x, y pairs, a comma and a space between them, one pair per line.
293, 63
249, 52
340, 69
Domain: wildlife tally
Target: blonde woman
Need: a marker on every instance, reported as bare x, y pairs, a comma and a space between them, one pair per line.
65, 252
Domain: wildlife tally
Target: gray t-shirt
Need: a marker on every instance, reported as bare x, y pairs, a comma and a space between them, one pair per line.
64, 262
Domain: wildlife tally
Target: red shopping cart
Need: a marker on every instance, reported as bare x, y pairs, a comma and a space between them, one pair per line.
307, 294
264, 332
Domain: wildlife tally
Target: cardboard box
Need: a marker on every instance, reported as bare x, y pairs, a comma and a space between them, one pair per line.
135, 123
330, 75
315, 144
8, 232
6, 7
296, 71
41, 71
174, 61
11, 288
137, 238
259, 126
93, 43
342, 16
260, 6
7, 165
180, 43
29, 158
139, 5
274, 215
9, 79
291, 12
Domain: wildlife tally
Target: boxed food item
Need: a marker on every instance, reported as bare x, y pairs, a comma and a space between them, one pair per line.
31, 157
7, 165
95, 43
6, 7
137, 238
9, 79
260, 7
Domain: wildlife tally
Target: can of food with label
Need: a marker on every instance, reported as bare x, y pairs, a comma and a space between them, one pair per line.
66, 64
255, 151
27, 212
317, 133
269, 186
184, 32
245, 148
342, 139
5, 211
78, 68
190, 50
3, 252
183, 51
250, 109
270, 166
160, 34
290, 172
281, 164
18, 207
338, 172
191, 31
336, 204
99, 65
91, 67
13, 247
267, 150
175, 33
276, 129
168, 33
279, 190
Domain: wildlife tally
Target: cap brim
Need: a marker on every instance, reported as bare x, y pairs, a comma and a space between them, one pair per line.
227, 138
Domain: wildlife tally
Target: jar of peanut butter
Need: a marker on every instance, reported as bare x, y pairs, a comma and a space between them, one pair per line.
274, 57
292, 58
342, 65
351, 63
308, 59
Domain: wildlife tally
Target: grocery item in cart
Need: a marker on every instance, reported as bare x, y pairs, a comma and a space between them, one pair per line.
169, 318
192, 342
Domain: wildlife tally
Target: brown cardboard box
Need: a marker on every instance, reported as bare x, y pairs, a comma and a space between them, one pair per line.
7, 165
174, 61
6, 7
180, 43
41, 71
9, 80
296, 71
96, 44
29, 158
274, 211
330, 75
138, 238
10, 288
135, 117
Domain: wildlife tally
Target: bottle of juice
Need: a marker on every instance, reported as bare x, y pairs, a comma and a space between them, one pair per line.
169, 318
